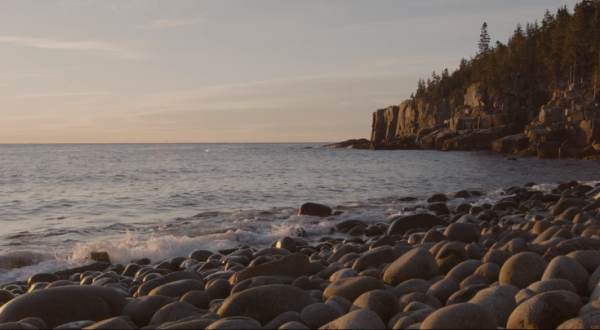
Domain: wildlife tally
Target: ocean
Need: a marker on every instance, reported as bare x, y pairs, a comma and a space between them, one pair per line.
58, 203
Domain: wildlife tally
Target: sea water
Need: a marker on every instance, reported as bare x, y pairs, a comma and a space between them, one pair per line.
58, 203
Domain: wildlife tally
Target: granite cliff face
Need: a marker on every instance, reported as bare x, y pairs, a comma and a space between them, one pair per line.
566, 125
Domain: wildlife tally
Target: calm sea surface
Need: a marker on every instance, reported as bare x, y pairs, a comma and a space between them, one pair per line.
161, 200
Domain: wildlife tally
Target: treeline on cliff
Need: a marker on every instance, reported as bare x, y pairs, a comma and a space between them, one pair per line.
561, 50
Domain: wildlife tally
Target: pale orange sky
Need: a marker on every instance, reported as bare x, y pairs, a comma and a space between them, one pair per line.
133, 71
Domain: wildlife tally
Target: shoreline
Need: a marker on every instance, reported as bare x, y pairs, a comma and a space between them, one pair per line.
427, 264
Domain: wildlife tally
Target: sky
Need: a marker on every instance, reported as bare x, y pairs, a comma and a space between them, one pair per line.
150, 71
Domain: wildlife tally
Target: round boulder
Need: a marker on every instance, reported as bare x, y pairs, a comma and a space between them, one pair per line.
570, 270
546, 311
317, 315
66, 304
280, 298
402, 224
352, 287
522, 269
461, 316
382, 302
499, 299
416, 263
315, 209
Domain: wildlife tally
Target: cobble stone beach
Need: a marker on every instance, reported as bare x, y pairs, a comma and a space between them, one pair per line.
529, 260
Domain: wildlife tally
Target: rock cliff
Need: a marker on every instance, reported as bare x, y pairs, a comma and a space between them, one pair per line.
522, 119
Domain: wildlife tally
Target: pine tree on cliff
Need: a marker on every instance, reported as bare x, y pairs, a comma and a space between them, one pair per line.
484, 40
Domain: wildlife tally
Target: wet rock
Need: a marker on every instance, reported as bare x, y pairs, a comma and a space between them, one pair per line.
351, 288
375, 257
200, 255
417, 263
281, 298
177, 288
45, 278
360, 319
316, 315
465, 316
570, 270
401, 225
150, 285
382, 302
62, 305
461, 232
546, 311
6, 296
295, 265
439, 208
315, 209
142, 309
438, 198
500, 300
523, 269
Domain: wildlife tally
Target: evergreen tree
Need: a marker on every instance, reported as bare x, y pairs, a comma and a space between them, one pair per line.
484, 40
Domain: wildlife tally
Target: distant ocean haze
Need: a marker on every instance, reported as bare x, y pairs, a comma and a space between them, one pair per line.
60, 202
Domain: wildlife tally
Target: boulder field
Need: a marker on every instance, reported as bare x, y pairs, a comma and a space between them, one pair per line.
531, 260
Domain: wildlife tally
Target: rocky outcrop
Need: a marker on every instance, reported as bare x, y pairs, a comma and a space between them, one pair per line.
510, 121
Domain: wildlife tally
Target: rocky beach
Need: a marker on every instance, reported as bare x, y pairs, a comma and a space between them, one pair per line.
529, 260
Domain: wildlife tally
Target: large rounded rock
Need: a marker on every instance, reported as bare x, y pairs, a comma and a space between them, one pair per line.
490, 270
410, 286
148, 286
360, 319
546, 311
283, 319
449, 256
461, 316
200, 255
465, 269
352, 287
67, 304
523, 269
142, 309
382, 302
277, 299
417, 263
177, 288
570, 270
461, 232
401, 225
499, 299
315, 209
375, 257
443, 289
317, 315
294, 265
175, 312
589, 259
